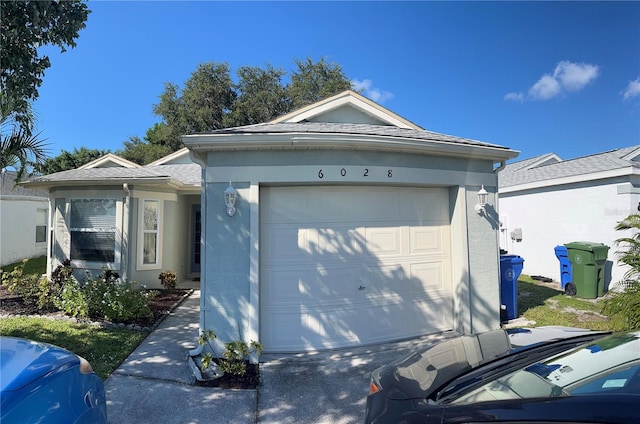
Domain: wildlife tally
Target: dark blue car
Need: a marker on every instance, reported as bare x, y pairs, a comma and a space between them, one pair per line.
546, 375
42, 383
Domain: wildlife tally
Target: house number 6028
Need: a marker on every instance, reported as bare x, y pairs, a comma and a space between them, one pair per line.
365, 173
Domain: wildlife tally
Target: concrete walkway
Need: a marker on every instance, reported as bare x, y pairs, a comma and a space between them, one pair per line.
155, 385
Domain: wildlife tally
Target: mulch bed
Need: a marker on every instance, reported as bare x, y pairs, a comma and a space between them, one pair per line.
251, 380
161, 305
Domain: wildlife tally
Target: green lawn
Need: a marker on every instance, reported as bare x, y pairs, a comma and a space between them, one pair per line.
547, 306
34, 266
104, 348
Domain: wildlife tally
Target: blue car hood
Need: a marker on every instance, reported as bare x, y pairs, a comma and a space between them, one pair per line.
24, 361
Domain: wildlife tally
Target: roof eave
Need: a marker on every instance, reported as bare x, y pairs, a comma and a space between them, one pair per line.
620, 172
353, 142
161, 181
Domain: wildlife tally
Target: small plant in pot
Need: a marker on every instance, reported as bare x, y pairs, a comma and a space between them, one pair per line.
168, 279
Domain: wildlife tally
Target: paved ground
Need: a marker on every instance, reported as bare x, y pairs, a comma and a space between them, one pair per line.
155, 384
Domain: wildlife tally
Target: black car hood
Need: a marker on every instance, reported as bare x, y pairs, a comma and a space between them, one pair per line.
421, 373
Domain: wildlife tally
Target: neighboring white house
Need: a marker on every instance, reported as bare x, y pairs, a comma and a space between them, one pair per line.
23, 221
351, 225
545, 202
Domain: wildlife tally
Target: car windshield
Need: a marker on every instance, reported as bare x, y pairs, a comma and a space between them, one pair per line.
609, 365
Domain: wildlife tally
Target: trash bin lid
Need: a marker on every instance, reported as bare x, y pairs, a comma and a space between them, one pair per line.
586, 245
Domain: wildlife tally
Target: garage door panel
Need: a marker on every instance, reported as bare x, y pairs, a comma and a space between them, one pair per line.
284, 285
353, 265
382, 240
429, 240
429, 278
285, 244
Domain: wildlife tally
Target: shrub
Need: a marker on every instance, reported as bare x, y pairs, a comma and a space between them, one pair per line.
72, 300
102, 297
168, 279
623, 308
116, 301
33, 288
234, 358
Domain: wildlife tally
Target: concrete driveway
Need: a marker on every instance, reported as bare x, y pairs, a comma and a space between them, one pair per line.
155, 385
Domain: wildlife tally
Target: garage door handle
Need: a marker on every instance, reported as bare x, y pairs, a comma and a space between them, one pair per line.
361, 288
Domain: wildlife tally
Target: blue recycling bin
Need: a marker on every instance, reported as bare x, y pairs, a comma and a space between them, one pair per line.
510, 269
566, 273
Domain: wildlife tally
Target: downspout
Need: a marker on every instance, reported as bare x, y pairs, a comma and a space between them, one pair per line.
500, 168
124, 244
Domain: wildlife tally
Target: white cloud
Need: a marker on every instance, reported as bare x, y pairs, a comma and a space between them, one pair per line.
567, 77
366, 87
546, 88
632, 90
574, 76
514, 97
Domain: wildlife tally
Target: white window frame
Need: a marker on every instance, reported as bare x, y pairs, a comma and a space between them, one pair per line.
41, 221
83, 263
142, 231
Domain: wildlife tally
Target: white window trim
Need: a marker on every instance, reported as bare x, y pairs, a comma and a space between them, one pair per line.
42, 223
140, 266
79, 263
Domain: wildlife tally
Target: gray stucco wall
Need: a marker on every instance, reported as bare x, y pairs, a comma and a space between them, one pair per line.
230, 280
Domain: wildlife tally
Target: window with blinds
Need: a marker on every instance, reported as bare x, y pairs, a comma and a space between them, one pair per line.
93, 229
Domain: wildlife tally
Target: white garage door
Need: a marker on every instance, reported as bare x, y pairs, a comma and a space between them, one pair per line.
346, 266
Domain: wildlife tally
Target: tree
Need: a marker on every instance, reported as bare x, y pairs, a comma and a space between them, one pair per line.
261, 96
19, 148
210, 100
313, 82
143, 152
25, 27
200, 106
70, 160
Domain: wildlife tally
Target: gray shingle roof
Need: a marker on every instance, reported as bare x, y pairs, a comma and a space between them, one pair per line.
351, 129
187, 174
8, 187
524, 172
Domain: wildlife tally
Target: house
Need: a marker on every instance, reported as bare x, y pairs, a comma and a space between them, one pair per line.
23, 221
546, 202
339, 224
351, 225
136, 220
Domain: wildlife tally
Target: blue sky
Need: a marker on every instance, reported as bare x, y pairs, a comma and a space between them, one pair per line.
537, 77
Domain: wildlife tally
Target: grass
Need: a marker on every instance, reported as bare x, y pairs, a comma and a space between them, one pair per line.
104, 348
36, 266
548, 306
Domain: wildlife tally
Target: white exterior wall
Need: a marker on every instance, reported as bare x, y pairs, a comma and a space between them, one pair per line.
557, 215
18, 218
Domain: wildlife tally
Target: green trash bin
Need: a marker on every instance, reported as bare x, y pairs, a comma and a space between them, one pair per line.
587, 262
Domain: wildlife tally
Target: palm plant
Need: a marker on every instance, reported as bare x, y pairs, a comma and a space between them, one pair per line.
629, 247
20, 149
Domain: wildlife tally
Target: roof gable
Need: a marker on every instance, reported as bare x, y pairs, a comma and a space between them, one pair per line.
633, 155
347, 107
109, 161
179, 157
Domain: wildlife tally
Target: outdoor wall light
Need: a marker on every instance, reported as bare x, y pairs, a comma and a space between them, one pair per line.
482, 200
230, 199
